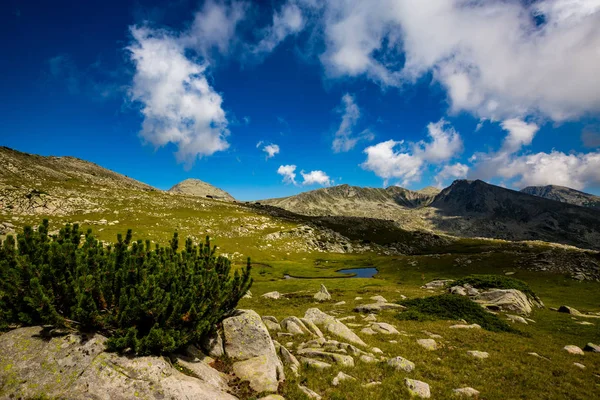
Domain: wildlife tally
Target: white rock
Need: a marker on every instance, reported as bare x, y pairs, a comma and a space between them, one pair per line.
272, 295
478, 354
316, 364
339, 303
368, 331
417, 388
428, 344
579, 365
464, 326
382, 327
379, 299
322, 294
516, 318
294, 326
311, 394
401, 363
333, 326
371, 318
368, 359
376, 350
572, 349
340, 377
466, 392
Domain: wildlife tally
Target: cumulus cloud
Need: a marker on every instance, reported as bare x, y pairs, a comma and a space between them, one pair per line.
406, 162
287, 21
288, 173
315, 177
179, 105
345, 139
451, 172
497, 60
271, 150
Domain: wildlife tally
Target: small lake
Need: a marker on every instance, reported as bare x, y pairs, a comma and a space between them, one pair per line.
360, 272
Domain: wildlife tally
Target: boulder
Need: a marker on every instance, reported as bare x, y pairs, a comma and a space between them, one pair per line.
428, 344
465, 326
340, 377
516, 318
289, 359
572, 349
478, 354
272, 326
401, 364
569, 310
371, 318
459, 290
466, 392
311, 394
368, 359
368, 331
248, 342
333, 326
322, 294
594, 348
379, 299
343, 360
314, 329
272, 295
74, 367
316, 364
294, 326
376, 307
417, 388
437, 284
505, 300
382, 327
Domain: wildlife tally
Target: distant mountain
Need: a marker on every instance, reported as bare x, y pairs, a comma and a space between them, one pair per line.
353, 201
195, 187
564, 194
476, 208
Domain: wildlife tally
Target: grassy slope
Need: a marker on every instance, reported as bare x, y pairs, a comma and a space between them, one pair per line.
508, 373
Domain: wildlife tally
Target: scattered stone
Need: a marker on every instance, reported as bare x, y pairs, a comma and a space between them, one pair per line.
594, 348
333, 326
309, 393
322, 294
569, 310
579, 365
342, 377
382, 327
259, 371
316, 364
368, 331
339, 303
437, 284
371, 384
272, 397
371, 318
314, 329
516, 318
358, 298
272, 326
538, 356
376, 350
428, 344
458, 290
478, 354
379, 299
289, 359
401, 363
464, 326
586, 323
509, 273
376, 307
368, 359
572, 349
417, 388
248, 295
272, 295
432, 335
466, 392
347, 318
343, 360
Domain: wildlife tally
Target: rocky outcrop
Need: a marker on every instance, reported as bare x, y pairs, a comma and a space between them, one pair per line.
77, 367
195, 187
505, 300
333, 326
248, 343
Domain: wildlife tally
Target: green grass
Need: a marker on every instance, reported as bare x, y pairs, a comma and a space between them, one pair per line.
452, 307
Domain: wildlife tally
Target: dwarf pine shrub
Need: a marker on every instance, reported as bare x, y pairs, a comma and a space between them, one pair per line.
147, 299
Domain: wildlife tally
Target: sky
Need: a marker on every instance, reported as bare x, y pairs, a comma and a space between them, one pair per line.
271, 98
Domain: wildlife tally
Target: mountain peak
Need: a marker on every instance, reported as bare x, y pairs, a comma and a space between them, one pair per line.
196, 187
564, 195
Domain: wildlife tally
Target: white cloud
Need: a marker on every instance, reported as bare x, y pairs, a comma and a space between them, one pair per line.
214, 27
451, 172
271, 150
288, 173
397, 160
520, 134
495, 59
315, 177
178, 104
287, 21
345, 139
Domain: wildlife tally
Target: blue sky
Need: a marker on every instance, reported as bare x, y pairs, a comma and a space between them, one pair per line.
267, 99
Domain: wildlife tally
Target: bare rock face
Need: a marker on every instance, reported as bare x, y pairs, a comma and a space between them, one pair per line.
76, 367
247, 341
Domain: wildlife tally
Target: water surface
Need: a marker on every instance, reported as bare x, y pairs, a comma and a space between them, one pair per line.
359, 272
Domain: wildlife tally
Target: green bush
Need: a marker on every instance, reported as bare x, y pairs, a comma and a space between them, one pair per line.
495, 282
451, 307
148, 300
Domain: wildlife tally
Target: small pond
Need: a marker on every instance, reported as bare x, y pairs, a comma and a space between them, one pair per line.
359, 272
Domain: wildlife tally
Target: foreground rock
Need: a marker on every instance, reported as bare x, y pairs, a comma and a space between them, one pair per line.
332, 325
401, 364
72, 367
247, 341
572, 349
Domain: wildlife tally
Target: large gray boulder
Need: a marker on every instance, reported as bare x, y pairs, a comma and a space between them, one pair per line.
333, 326
322, 294
247, 341
76, 367
505, 300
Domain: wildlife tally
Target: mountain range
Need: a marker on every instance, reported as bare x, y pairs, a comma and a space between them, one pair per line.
37, 185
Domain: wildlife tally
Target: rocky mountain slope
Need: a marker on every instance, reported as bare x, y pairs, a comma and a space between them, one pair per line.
196, 187
564, 194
